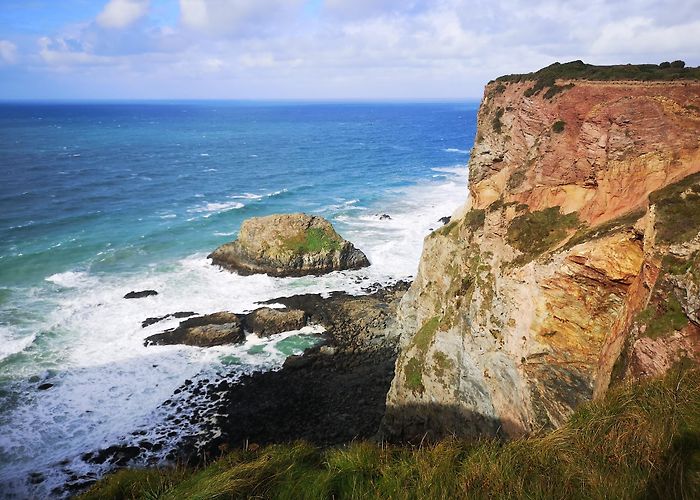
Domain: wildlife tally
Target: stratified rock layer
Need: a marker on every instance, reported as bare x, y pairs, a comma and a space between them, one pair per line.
574, 264
288, 245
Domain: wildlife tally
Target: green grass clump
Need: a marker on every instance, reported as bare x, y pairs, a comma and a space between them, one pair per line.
314, 240
533, 233
678, 210
558, 126
640, 441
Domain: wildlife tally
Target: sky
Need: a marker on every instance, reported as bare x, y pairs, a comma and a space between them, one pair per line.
320, 49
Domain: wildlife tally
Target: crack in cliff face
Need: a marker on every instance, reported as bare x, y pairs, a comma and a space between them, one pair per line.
548, 285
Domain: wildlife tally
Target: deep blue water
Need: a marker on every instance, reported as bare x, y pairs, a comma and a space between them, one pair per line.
80, 179
100, 199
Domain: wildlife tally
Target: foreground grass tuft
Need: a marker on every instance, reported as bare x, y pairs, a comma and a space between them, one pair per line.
641, 441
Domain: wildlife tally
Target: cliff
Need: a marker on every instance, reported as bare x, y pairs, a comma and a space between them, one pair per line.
574, 264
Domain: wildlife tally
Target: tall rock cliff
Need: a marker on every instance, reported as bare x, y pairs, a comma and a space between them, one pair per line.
574, 264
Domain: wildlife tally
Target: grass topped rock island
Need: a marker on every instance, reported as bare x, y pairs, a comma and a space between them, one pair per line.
288, 245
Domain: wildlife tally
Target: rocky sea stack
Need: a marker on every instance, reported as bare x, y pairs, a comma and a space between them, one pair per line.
288, 245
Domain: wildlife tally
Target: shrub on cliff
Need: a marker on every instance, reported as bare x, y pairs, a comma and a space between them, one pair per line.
641, 441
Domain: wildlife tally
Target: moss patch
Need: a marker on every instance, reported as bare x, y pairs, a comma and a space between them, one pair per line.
496, 122
678, 210
663, 318
442, 364
413, 370
533, 233
313, 240
474, 219
558, 126
414, 375
516, 178
423, 338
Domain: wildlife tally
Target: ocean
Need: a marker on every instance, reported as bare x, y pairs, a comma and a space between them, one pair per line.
99, 199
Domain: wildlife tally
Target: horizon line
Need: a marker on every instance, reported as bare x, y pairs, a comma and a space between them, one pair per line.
58, 100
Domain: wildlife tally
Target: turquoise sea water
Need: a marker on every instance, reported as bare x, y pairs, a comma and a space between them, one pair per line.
100, 199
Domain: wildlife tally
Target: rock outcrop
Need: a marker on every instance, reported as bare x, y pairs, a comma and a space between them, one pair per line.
288, 245
266, 321
202, 331
573, 266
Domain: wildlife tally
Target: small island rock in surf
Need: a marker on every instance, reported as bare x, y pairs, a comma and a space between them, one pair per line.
288, 245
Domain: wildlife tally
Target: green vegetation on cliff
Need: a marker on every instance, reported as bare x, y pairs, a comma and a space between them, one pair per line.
641, 441
545, 78
678, 210
533, 233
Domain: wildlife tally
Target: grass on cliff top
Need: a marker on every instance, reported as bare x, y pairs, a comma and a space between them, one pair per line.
314, 240
641, 441
578, 70
545, 78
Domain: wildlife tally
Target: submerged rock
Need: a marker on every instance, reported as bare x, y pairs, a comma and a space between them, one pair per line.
203, 331
267, 321
288, 245
140, 295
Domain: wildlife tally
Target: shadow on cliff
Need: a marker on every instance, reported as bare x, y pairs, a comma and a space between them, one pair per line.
428, 423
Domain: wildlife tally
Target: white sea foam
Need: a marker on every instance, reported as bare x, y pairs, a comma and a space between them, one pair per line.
456, 150
11, 343
109, 384
216, 207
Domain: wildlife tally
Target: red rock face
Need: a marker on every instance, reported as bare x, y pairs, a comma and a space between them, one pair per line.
619, 142
574, 265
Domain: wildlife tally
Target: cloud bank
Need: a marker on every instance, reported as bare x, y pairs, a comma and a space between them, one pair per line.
333, 48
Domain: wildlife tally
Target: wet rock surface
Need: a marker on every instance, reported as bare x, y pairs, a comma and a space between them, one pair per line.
203, 331
141, 294
181, 314
266, 321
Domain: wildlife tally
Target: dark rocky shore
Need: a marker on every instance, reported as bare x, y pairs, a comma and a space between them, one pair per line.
335, 392
332, 394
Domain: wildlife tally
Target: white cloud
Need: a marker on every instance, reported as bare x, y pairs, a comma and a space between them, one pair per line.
65, 53
641, 35
236, 17
363, 48
122, 13
8, 52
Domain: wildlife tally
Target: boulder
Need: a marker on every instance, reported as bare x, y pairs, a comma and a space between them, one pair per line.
267, 321
203, 331
445, 220
141, 294
288, 245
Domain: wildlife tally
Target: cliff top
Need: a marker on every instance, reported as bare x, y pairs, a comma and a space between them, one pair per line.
578, 70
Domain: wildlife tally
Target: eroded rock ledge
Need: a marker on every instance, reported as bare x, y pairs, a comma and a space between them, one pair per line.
288, 245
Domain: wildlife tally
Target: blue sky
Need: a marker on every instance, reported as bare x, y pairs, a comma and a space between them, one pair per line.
320, 49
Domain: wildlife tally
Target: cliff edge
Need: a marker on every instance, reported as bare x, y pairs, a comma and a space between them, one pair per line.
574, 264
